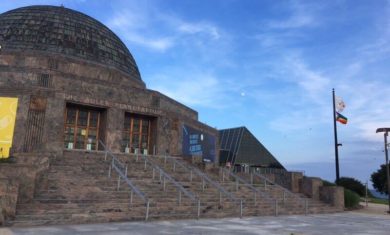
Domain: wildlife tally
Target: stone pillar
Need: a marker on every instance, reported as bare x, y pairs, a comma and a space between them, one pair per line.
53, 138
311, 187
114, 126
20, 123
296, 177
333, 195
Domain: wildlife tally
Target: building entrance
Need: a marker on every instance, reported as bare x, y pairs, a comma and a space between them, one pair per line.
137, 133
82, 127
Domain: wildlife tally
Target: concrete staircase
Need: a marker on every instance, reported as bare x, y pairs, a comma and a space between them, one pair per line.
260, 196
82, 187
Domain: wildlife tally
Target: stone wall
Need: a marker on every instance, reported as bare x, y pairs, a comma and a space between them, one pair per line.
26, 171
288, 179
310, 186
333, 195
8, 198
60, 80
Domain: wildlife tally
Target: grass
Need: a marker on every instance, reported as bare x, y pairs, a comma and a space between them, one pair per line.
378, 201
375, 200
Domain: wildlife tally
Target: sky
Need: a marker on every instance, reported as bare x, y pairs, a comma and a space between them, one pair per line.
267, 65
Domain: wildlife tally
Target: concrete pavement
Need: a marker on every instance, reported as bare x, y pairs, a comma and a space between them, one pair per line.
340, 223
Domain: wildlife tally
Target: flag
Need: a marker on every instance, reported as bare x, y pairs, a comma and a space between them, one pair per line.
340, 118
340, 105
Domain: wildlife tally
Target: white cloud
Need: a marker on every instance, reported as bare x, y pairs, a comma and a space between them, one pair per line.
193, 88
212, 30
301, 15
146, 26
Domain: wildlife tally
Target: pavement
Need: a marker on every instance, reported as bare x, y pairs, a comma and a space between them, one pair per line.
370, 220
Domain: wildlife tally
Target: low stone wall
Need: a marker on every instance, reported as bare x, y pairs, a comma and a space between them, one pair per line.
310, 186
17, 182
8, 197
334, 195
289, 180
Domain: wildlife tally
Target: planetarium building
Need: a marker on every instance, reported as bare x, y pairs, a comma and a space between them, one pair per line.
68, 83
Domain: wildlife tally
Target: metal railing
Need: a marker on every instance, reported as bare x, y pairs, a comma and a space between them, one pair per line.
285, 191
164, 176
256, 191
121, 170
204, 178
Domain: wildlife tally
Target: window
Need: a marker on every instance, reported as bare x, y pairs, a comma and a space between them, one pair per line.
136, 134
81, 128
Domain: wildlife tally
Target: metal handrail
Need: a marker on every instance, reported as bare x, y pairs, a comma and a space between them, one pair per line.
173, 181
114, 165
203, 176
245, 183
304, 201
278, 186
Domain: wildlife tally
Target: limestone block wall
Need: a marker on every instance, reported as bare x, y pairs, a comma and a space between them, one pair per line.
8, 198
310, 186
45, 83
333, 195
289, 180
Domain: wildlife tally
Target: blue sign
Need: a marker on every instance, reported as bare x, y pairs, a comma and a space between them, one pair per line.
198, 143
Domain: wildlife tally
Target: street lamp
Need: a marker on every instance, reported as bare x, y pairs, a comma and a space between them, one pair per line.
386, 133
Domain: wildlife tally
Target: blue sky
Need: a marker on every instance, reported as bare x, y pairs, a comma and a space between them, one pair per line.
268, 65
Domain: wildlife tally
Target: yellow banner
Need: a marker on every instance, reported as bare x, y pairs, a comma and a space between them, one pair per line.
7, 124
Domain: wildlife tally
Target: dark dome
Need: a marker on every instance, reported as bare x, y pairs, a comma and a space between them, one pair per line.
67, 32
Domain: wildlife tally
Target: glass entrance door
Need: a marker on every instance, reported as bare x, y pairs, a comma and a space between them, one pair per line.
81, 128
136, 134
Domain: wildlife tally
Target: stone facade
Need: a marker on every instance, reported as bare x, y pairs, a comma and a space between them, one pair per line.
53, 57
46, 80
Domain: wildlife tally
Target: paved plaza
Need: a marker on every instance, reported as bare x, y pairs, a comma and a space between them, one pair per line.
340, 223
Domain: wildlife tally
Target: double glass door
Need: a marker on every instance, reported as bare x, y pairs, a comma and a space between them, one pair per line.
136, 134
82, 128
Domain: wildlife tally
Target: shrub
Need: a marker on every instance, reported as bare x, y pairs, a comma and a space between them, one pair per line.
353, 185
327, 183
351, 199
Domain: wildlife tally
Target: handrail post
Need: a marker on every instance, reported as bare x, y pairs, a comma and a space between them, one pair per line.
131, 197
198, 209
241, 209
284, 197
136, 157
203, 184
276, 207
191, 176
306, 207
265, 184
164, 183
109, 171
251, 178
174, 166
119, 183
220, 198
179, 197
145, 164
223, 176
165, 159
147, 210
153, 173
255, 199
126, 170
105, 155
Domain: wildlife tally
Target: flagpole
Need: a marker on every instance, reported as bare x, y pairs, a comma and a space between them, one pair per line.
336, 145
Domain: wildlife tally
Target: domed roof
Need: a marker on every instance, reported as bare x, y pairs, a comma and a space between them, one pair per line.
65, 31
